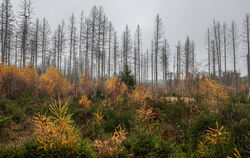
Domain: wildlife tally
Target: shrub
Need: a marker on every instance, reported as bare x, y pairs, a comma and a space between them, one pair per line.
114, 87
112, 146
200, 124
86, 84
15, 81
145, 113
163, 148
57, 131
183, 151
212, 93
139, 95
24, 99
84, 101
31, 149
215, 143
11, 109
239, 98
3, 122
240, 135
85, 149
141, 144
229, 114
53, 83
32, 80
113, 118
174, 112
17, 114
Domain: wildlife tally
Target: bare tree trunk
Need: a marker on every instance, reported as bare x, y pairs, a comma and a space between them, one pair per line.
147, 68
115, 53
80, 44
214, 58
36, 42
43, 45
103, 55
62, 40
187, 56
178, 58
71, 41
135, 60
2, 35
158, 34
246, 36
92, 41
16, 49
152, 63
87, 47
219, 49
109, 48
208, 51
225, 52
234, 55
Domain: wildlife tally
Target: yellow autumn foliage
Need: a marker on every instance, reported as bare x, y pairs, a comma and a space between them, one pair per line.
212, 92
145, 113
214, 136
99, 118
140, 94
236, 154
84, 101
57, 131
53, 83
114, 87
15, 81
112, 146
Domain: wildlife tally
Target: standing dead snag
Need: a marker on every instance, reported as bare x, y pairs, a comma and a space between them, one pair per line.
158, 35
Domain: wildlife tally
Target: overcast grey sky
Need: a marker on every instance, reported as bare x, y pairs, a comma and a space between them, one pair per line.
180, 17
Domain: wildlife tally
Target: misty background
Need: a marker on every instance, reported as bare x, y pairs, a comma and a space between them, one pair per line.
181, 18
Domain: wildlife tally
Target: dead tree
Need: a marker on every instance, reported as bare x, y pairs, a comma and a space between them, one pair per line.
137, 52
246, 40
158, 36
25, 17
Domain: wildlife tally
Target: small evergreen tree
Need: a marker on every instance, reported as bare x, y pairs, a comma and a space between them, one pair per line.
127, 78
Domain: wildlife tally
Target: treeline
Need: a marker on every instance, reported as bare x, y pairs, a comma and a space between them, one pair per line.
223, 41
87, 44
90, 44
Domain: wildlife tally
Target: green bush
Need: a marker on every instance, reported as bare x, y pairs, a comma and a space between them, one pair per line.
200, 125
173, 113
114, 118
141, 144
30, 109
85, 150
220, 150
16, 113
10, 152
240, 136
240, 98
3, 122
31, 150
183, 151
77, 114
163, 148
24, 99
11, 108
232, 113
